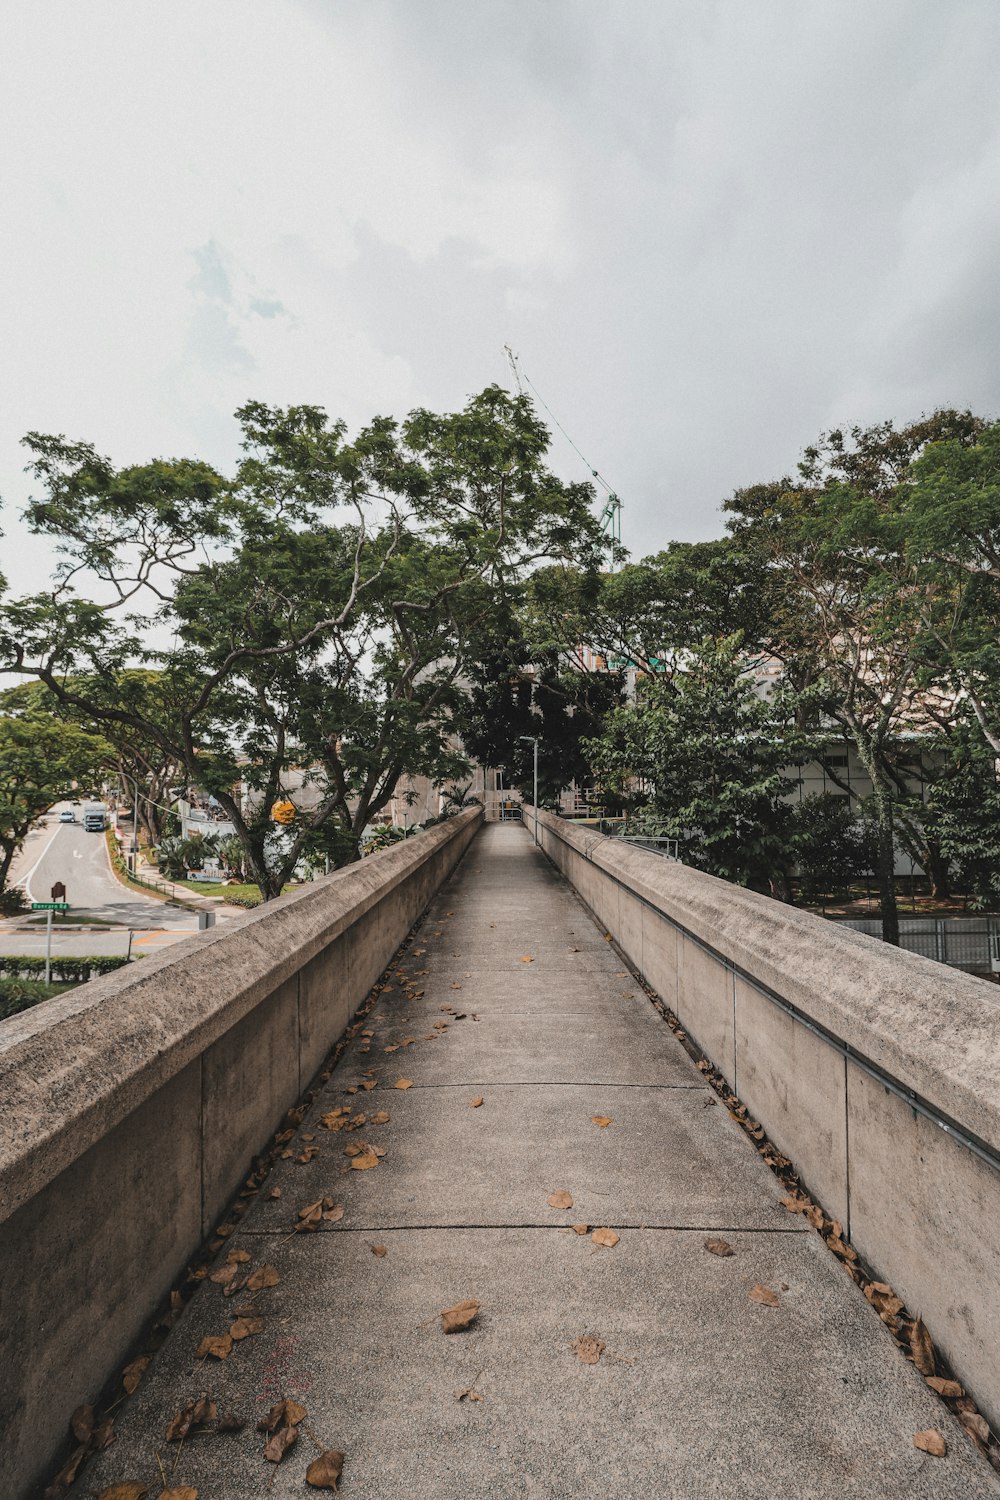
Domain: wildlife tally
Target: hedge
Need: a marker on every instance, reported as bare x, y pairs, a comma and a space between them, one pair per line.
64, 970
21, 994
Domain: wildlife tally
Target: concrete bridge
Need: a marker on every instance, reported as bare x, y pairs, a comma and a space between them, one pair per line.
708, 1189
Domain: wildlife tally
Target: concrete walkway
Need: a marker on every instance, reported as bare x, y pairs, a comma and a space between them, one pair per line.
699, 1392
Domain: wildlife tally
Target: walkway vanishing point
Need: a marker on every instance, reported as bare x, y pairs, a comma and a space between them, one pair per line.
511, 1057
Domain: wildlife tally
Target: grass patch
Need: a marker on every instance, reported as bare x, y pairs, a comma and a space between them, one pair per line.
237, 895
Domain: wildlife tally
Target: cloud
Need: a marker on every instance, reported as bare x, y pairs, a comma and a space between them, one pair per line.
709, 231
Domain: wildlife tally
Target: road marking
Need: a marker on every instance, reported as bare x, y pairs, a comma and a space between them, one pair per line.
27, 878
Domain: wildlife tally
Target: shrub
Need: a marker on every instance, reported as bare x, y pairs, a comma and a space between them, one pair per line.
64, 970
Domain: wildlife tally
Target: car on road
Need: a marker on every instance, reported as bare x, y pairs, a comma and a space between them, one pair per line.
67, 815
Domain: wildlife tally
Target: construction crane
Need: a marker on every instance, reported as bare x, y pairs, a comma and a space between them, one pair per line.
512, 361
610, 517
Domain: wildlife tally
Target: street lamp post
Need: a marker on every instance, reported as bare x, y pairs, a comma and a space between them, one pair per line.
532, 739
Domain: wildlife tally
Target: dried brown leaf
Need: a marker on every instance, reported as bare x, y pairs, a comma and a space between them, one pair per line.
456, 1319
560, 1199
285, 1413
245, 1328
379, 1251
764, 1295
581, 1228
133, 1373
368, 1158
588, 1349
216, 1345
605, 1237
277, 1446
477, 1102
921, 1348
603, 1121
403, 1083
225, 1274
976, 1425
81, 1423
333, 1215
719, 1247
324, 1472
526, 958
238, 1257
947, 1388
930, 1441
468, 1395
179, 1492
382, 1117
125, 1491
262, 1277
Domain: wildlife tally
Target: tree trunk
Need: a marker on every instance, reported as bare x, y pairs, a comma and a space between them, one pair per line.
886, 871
939, 871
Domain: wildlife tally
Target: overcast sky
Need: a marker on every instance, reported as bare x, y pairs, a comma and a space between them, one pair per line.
710, 228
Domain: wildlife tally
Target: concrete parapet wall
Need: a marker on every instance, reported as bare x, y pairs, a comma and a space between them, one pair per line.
131, 1110
876, 1071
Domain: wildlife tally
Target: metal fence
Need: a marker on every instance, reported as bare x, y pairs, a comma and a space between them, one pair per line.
970, 943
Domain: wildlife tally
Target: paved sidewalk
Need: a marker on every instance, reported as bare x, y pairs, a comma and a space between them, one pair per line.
699, 1392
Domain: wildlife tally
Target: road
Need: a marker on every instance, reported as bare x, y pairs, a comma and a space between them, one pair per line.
62, 852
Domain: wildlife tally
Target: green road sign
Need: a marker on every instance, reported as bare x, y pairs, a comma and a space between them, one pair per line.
50, 906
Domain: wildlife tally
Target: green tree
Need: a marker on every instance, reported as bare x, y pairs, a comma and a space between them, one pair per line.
42, 760
705, 759
849, 608
319, 605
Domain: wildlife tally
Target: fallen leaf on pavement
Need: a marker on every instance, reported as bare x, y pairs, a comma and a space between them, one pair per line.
382, 1117
719, 1247
764, 1295
324, 1472
930, 1441
588, 1349
367, 1159
526, 958
262, 1277
601, 1120
921, 1348
124, 1492
81, 1423
216, 1345
476, 1103
380, 1251
225, 1274
403, 1083
581, 1228
560, 1199
244, 1328
976, 1425
133, 1373
333, 1215
605, 1237
179, 1492
239, 1256
279, 1444
944, 1387
456, 1319
468, 1395
285, 1413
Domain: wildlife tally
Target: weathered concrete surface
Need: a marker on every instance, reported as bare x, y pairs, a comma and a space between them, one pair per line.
917, 1203
130, 1111
700, 1393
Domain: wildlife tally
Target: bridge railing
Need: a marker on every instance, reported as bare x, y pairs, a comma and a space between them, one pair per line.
876, 1071
131, 1110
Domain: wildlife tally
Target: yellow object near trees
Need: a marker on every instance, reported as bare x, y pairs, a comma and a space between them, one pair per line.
283, 812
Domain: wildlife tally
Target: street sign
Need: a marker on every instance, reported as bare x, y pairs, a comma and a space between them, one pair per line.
50, 906
58, 891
